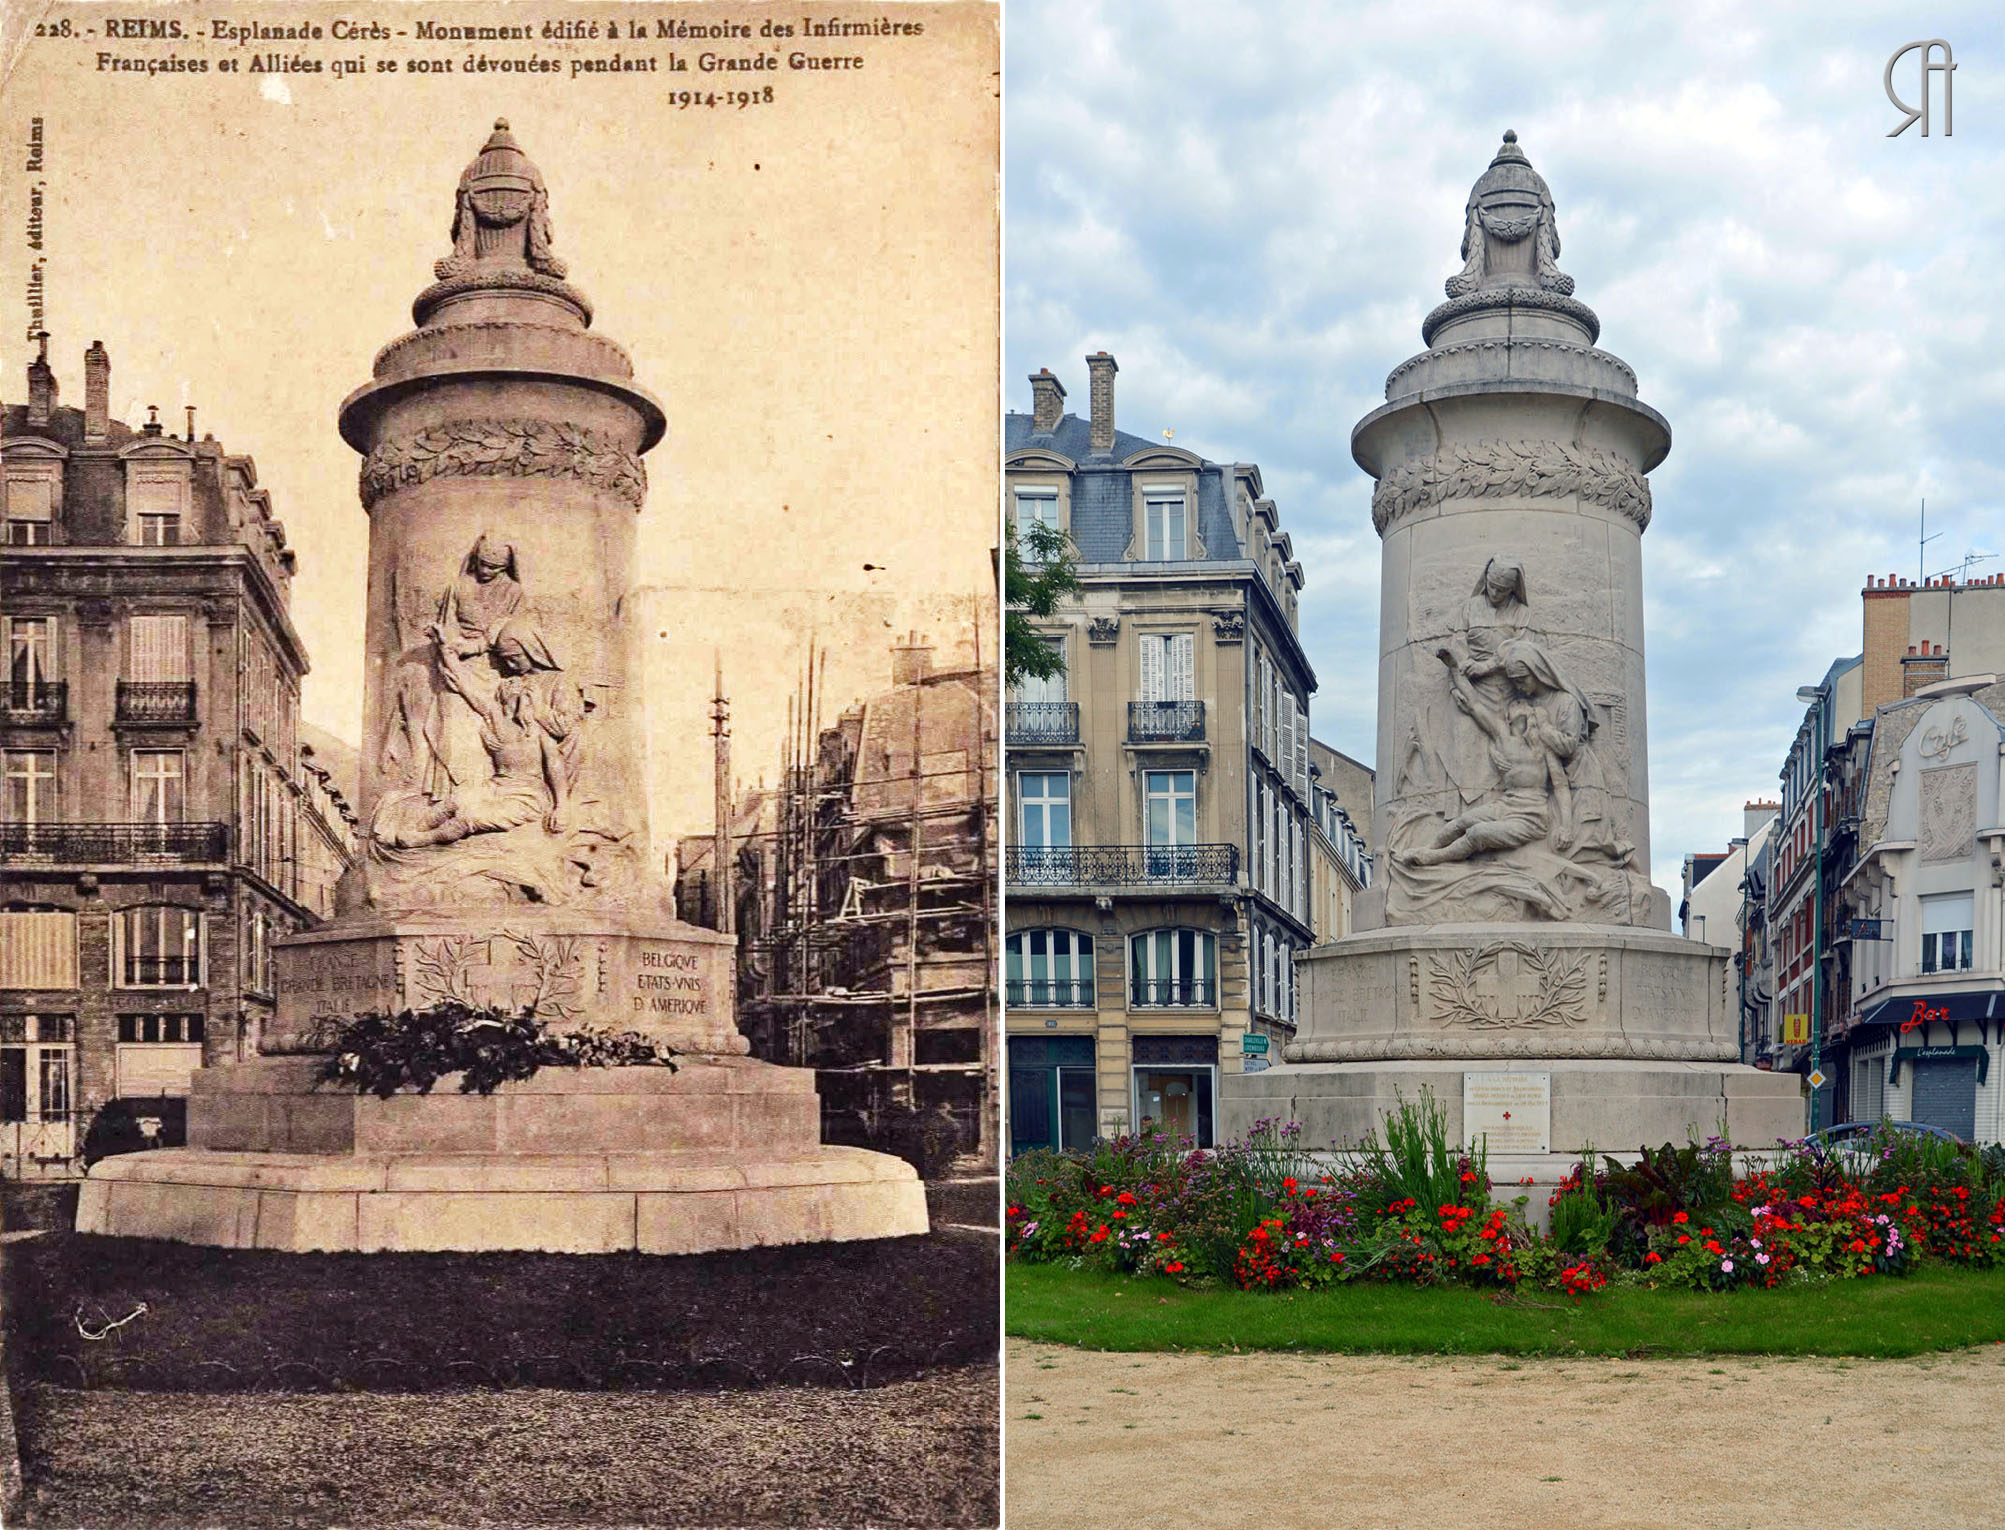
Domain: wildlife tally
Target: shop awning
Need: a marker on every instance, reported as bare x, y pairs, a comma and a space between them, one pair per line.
1899, 1009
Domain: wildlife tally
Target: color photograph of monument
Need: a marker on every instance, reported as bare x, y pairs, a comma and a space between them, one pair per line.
1502, 974
594, 399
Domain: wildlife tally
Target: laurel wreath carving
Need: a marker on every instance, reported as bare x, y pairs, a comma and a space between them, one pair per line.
1562, 997
1511, 469
504, 449
444, 970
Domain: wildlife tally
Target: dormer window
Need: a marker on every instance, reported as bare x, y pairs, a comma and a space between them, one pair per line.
153, 505
1034, 506
1166, 519
34, 492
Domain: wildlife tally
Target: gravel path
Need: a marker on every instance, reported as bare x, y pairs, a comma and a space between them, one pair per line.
917, 1453
1333, 1442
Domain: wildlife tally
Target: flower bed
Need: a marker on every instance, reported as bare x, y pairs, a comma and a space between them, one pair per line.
1264, 1214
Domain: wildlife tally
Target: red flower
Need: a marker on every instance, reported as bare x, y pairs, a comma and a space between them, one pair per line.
1679, 1216
1125, 1199
1173, 1269
1653, 1257
1684, 1238
1288, 1185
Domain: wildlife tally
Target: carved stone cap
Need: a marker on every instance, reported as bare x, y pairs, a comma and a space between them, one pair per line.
1510, 248
501, 235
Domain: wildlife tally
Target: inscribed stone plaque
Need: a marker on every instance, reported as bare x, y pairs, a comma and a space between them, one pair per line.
1948, 812
1508, 1112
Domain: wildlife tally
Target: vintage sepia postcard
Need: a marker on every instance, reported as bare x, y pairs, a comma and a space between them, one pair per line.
499, 855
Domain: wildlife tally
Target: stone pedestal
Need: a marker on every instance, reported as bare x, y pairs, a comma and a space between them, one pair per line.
592, 968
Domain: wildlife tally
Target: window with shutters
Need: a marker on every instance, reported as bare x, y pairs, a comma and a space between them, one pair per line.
1166, 518
1285, 760
156, 503
1256, 868
1169, 667
1042, 690
159, 648
38, 948
1946, 933
32, 495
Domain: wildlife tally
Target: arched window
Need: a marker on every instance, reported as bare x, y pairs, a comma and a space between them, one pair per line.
1173, 967
157, 946
1048, 969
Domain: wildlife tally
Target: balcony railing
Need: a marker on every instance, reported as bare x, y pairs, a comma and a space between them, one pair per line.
1165, 722
1122, 865
163, 972
1049, 993
156, 701
1030, 723
41, 701
1199, 993
110, 844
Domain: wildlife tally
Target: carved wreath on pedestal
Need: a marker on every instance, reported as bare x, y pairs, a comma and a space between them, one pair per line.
504, 449
1561, 998
549, 970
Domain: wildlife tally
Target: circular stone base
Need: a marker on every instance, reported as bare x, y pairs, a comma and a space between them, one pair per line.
568, 1203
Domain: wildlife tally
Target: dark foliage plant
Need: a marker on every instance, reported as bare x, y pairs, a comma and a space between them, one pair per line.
383, 1054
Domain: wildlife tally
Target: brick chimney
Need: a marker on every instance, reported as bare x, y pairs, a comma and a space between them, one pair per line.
911, 661
1754, 814
1047, 401
1101, 368
41, 385
97, 393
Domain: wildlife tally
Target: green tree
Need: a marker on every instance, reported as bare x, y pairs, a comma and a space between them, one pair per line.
1038, 573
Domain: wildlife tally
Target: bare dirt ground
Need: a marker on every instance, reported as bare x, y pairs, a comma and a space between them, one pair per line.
1332, 1442
915, 1453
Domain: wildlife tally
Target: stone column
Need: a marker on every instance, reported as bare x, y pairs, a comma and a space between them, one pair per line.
505, 857
1510, 458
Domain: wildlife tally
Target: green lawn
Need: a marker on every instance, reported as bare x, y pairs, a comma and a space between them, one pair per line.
1939, 1308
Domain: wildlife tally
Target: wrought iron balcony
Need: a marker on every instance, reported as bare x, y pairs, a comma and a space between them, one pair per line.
1197, 993
1165, 722
112, 844
156, 701
1030, 723
40, 701
1049, 993
1122, 865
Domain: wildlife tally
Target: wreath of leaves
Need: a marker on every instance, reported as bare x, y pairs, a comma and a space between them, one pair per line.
381, 1053
504, 448
1562, 996
1531, 470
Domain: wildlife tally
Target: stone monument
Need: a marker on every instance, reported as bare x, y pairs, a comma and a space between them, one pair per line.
1513, 956
505, 859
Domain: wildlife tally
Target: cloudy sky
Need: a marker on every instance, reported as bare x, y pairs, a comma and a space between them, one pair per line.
1253, 206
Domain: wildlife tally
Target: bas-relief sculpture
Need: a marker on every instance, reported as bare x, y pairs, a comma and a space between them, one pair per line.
1507, 750
480, 761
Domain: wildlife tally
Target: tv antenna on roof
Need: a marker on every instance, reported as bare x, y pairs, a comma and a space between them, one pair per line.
1961, 568
1921, 551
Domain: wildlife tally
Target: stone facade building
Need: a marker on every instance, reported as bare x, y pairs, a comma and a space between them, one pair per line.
162, 825
1922, 1024
863, 898
1340, 865
1159, 792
